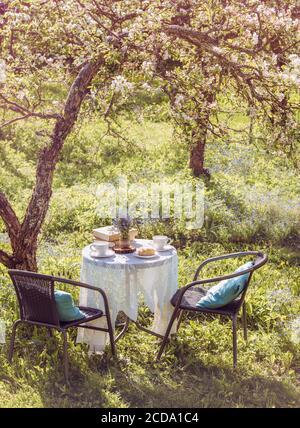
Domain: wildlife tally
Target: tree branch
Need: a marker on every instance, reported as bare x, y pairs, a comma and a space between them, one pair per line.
10, 218
25, 113
38, 205
6, 259
11, 121
203, 41
189, 32
110, 105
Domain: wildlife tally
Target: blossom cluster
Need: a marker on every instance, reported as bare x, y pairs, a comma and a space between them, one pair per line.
238, 60
121, 85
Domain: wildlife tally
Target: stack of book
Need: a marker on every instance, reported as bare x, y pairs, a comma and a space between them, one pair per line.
111, 234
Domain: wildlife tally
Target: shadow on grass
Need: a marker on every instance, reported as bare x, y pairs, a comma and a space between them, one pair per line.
99, 381
182, 379
211, 387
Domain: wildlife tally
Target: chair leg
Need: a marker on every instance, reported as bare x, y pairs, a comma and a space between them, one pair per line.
66, 362
245, 321
166, 336
123, 331
12, 340
234, 340
179, 319
112, 342
111, 335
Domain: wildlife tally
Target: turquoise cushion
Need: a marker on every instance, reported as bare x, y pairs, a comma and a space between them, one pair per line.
225, 291
66, 309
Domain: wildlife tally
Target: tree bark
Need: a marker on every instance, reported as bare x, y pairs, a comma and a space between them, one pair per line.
197, 159
197, 153
24, 237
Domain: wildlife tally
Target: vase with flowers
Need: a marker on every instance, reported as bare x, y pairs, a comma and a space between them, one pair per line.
124, 224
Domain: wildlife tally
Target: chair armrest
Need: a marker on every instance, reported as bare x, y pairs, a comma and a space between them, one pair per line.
229, 256
260, 261
213, 279
64, 281
84, 285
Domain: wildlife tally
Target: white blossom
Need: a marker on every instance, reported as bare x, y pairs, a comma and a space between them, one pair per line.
255, 38
186, 117
147, 66
90, 20
146, 86
166, 55
295, 61
217, 50
178, 99
120, 84
26, 17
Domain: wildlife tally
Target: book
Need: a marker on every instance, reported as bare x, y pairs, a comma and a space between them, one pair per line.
111, 244
111, 233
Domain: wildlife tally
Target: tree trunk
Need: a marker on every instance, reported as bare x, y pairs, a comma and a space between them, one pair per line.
24, 237
197, 158
25, 258
197, 153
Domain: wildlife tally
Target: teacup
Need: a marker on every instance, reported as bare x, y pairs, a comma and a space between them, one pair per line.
160, 241
99, 248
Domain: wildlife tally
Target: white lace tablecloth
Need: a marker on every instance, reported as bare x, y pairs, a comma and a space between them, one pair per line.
127, 281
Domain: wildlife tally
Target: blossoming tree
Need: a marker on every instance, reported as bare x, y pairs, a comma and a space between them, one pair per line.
50, 47
221, 56
206, 55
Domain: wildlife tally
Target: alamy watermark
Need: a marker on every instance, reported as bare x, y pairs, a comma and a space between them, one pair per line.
155, 201
2, 331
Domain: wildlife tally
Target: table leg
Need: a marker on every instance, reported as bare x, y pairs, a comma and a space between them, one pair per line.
139, 326
124, 329
125, 326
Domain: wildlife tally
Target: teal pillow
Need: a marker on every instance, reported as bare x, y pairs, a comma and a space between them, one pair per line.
66, 309
225, 291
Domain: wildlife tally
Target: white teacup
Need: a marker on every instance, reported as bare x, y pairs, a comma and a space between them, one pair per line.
160, 241
99, 248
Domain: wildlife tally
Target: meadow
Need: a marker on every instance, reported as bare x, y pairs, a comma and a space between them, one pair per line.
251, 202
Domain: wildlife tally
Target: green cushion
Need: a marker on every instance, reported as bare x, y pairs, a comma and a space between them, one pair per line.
225, 291
66, 309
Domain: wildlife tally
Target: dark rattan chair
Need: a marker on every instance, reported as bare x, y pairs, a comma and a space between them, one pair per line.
185, 298
37, 304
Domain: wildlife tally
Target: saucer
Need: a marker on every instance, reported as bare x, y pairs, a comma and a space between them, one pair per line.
145, 257
167, 247
109, 253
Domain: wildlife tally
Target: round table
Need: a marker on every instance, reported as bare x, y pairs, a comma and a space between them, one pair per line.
128, 281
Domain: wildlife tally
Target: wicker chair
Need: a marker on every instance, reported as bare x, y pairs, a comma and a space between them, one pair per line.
37, 305
186, 298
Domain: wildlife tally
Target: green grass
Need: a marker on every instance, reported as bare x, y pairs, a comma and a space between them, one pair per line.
252, 202
197, 367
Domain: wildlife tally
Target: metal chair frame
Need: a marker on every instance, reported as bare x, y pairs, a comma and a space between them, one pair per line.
260, 260
46, 294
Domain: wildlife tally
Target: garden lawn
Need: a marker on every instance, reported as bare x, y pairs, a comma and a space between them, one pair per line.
196, 370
